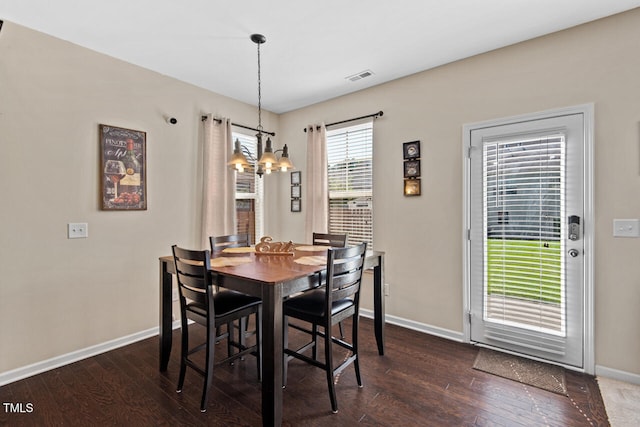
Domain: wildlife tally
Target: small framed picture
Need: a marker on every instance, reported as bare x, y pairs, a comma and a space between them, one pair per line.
295, 205
411, 187
295, 191
295, 178
412, 168
411, 150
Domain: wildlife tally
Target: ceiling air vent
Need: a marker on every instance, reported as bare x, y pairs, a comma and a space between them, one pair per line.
360, 75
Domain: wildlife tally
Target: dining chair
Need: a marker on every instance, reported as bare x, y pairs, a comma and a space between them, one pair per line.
324, 307
201, 304
219, 243
333, 240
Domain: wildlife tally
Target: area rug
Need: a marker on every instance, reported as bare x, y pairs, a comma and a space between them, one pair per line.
529, 372
621, 400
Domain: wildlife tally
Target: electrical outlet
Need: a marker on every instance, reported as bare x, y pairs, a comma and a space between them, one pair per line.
174, 294
77, 230
386, 289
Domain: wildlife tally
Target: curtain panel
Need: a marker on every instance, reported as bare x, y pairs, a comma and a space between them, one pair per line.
218, 199
316, 203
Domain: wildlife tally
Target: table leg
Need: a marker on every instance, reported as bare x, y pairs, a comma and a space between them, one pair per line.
378, 304
272, 354
166, 329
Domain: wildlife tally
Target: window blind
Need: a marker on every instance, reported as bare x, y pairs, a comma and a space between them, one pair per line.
350, 176
523, 211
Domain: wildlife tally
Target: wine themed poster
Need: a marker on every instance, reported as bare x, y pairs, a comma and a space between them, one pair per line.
123, 168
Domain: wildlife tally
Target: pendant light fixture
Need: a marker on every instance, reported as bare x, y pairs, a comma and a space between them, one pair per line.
267, 160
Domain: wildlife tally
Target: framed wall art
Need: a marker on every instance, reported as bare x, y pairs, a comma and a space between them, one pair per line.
411, 155
411, 187
123, 168
411, 150
412, 168
296, 192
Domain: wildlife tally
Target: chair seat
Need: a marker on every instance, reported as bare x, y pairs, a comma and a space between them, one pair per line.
311, 304
225, 303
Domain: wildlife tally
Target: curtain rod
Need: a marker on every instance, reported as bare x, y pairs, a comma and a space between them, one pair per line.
374, 115
241, 126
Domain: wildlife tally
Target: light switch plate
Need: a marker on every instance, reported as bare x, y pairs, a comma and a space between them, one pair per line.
77, 230
626, 228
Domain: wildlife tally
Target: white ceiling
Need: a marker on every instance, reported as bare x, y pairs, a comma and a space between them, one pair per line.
311, 46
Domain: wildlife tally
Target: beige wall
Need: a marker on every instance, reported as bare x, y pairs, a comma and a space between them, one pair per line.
59, 295
422, 236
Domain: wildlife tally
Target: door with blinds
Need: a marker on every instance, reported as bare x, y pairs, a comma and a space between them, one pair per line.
526, 250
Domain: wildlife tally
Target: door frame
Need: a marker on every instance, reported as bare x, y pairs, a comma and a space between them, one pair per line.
587, 110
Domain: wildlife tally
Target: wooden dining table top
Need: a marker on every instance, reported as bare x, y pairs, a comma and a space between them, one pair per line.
268, 268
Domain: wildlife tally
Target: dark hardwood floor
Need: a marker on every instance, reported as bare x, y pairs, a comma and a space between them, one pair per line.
421, 381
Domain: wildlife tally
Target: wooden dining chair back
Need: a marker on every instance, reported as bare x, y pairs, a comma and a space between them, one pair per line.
324, 307
219, 243
333, 240
201, 304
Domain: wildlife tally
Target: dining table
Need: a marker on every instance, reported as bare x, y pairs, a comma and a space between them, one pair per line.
272, 277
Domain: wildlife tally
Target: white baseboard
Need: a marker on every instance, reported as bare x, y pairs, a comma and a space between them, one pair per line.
74, 356
417, 326
615, 374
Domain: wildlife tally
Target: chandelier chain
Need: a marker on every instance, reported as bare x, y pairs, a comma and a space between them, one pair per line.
259, 94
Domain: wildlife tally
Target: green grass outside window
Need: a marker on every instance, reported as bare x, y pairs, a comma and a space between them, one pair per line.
528, 269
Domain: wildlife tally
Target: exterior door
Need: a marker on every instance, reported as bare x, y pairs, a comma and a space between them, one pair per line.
526, 236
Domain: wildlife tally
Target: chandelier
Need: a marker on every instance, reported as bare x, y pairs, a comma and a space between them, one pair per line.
266, 160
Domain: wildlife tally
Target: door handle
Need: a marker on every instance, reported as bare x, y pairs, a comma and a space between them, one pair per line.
574, 252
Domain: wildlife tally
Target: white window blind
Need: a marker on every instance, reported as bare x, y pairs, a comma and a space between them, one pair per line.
249, 194
350, 175
523, 211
